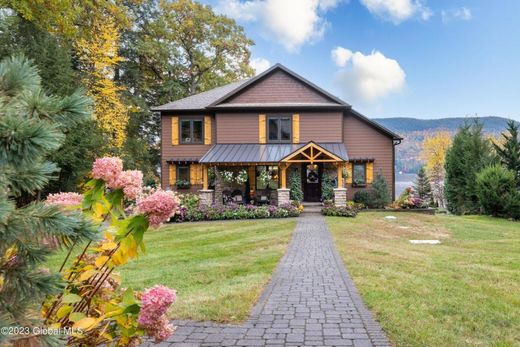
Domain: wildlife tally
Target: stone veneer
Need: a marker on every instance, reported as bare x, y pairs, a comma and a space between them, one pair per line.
340, 196
283, 196
206, 197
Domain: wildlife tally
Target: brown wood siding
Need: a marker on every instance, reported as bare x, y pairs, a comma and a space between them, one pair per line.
321, 127
178, 151
278, 87
363, 141
237, 127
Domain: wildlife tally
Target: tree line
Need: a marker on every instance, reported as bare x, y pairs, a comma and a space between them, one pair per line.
126, 56
472, 173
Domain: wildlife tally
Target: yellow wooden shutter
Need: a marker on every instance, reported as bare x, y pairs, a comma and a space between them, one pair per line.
261, 128
175, 130
370, 172
349, 173
207, 130
172, 173
296, 128
196, 174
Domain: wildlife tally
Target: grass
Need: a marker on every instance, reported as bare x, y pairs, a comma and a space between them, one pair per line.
463, 292
218, 268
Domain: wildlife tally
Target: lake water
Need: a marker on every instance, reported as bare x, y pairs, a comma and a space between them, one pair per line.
403, 181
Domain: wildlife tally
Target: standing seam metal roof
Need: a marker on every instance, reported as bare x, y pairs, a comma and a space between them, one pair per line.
262, 153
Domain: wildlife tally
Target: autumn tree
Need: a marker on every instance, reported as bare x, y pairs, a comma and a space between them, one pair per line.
98, 56
433, 153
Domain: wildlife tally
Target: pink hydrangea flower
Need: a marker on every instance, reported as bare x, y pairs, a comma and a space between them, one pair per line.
107, 169
159, 207
64, 199
155, 302
131, 181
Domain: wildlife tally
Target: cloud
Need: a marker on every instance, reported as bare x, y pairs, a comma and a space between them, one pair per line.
367, 78
462, 13
397, 11
341, 56
260, 65
291, 23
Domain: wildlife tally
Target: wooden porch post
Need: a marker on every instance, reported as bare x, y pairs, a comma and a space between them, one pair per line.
204, 177
283, 177
340, 174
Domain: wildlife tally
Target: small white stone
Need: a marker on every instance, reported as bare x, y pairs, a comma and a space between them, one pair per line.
391, 217
425, 242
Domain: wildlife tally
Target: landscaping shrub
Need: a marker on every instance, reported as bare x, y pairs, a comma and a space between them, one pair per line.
234, 211
409, 199
380, 196
295, 184
363, 197
327, 187
189, 200
513, 205
495, 184
343, 211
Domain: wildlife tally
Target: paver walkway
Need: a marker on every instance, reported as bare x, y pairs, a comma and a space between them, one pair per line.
310, 301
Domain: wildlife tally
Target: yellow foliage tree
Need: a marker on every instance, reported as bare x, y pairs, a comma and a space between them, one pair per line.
433, 152
98, 55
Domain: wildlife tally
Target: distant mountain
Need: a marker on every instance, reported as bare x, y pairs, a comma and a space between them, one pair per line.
405, 124
414, 130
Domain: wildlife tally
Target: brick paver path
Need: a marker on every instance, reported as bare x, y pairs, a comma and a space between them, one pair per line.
310, 301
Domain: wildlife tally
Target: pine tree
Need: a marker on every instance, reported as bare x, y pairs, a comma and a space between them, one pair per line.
509, 151
295, 186
31, 125
469, 153
380, 193
423, 187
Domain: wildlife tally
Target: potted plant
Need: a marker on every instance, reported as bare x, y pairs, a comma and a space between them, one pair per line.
182, 184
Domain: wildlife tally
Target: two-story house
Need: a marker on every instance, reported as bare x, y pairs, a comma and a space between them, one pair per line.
275, 125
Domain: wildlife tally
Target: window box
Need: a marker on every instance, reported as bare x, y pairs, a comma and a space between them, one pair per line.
182, 184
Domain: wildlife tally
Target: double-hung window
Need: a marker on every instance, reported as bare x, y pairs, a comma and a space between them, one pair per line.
359, 174
279, 128
192, 130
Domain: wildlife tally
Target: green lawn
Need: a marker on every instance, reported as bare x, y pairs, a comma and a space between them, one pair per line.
464, 292
218, 269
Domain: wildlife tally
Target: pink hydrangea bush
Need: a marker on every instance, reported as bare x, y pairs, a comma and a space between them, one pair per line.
131, 181
64, 199
107, 169
159, 207
155, 302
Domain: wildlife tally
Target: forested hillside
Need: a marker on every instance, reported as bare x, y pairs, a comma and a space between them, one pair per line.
414, 130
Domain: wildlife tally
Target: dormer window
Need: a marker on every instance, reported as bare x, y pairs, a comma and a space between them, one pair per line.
191, 131
279, 128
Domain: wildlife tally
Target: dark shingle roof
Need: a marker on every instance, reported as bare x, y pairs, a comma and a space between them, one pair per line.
261, 153
201, 100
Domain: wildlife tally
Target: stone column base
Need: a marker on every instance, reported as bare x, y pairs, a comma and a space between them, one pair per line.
206, 197
283, 196
340, 197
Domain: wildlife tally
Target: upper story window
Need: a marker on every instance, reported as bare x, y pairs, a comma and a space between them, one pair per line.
279, 128
359, 174
192, 130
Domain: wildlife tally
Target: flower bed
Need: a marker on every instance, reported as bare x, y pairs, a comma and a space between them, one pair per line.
233, 211
342, 211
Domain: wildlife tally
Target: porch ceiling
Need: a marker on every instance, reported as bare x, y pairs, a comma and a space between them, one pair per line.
262, 153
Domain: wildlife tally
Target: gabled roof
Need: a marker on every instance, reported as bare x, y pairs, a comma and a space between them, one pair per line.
278, 67
215, 99
200, 101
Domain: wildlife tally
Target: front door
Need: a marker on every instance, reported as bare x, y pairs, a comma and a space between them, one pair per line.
311, 178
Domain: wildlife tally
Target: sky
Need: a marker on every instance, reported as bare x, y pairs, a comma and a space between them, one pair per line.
394, 58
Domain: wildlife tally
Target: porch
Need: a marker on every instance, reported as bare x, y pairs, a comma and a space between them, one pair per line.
260, 174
